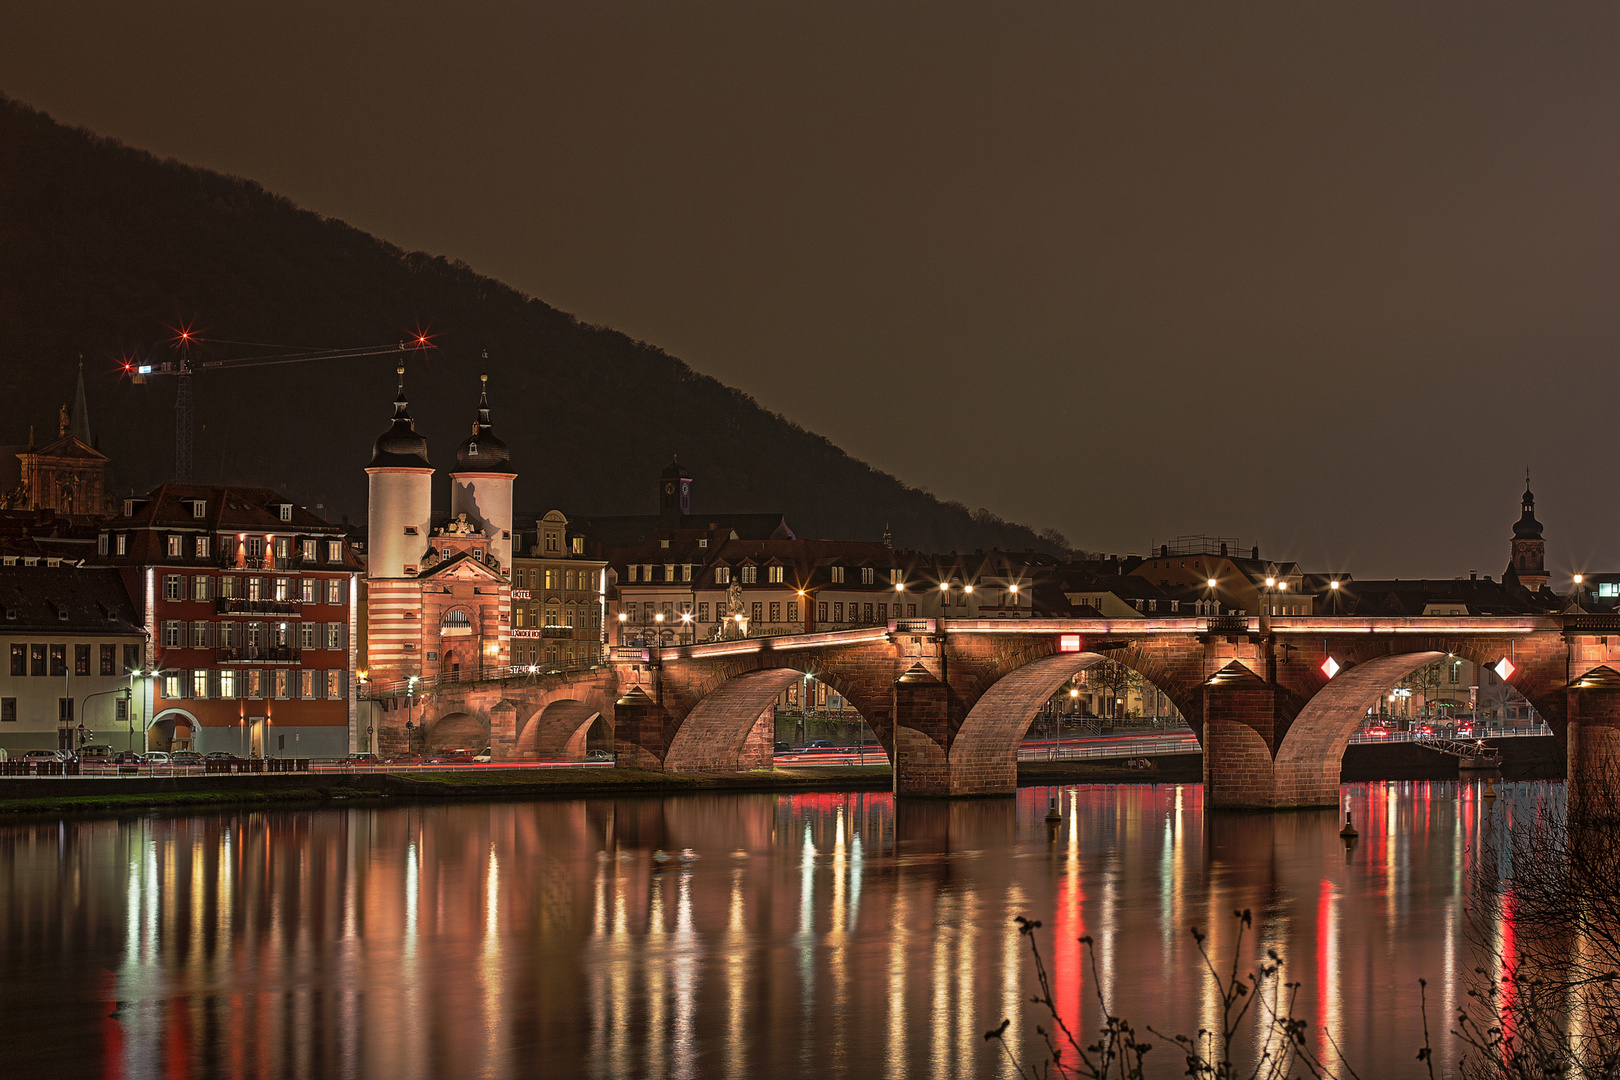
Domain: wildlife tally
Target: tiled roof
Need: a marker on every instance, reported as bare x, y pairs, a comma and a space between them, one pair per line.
40, 595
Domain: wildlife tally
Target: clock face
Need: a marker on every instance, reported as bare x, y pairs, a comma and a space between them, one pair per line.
669, 489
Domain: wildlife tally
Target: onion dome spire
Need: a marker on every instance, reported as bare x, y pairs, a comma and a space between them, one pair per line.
400, 446
482, 451
1527, 527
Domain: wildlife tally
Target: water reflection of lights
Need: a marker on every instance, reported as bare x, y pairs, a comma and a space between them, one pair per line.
736, 979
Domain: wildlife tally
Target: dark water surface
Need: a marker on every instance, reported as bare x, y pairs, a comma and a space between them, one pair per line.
804, 936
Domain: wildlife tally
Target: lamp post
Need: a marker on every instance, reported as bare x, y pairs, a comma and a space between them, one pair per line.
1333, 590
1214, 602
130, 745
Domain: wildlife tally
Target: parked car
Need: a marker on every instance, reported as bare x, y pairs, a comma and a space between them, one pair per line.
185, 757
405, 759
363, 758
782, 747
222, 755
157, 757
484, 757
128, 757
598, 755
460, 756
42, 755
95, 752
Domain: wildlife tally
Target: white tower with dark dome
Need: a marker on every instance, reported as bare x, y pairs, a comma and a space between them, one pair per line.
400, 510
481, 485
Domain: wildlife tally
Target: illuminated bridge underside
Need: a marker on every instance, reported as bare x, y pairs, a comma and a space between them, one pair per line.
950, 701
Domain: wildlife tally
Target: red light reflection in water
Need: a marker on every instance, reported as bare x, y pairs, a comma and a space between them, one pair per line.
1326, 976
1068, 955
1509, 962
112, 1032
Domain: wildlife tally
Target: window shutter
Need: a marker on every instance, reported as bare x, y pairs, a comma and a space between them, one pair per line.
343, 635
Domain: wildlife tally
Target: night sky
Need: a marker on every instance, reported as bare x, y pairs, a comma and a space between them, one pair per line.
1326, 277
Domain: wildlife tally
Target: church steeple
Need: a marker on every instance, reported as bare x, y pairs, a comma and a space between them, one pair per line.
1528, 563
80, 426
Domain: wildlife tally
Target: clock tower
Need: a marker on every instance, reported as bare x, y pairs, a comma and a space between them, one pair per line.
674, 495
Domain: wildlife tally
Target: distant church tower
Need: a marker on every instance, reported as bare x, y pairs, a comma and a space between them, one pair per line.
481, 486
1529, 562
674, 495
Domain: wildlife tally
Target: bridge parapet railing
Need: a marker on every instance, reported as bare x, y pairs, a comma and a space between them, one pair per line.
1592, 624
1228, 624
504, 674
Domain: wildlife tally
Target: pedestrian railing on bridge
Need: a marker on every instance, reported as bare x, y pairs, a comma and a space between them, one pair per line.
504, 674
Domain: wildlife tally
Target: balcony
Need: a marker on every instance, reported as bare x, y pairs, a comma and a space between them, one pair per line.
556, 631
238, 606
258, 656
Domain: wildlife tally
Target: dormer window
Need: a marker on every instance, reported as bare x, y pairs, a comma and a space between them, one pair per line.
285, 510
199, 507
703, 543
62, 614
750, 575
663, 543
774, 574
579, 545
472, 449
722, 575
836, 574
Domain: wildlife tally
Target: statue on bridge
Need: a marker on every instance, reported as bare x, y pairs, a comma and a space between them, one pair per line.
733, 626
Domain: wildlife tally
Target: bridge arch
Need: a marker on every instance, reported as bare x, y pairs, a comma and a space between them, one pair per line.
985, 748
458, 730
714, 736
558, 730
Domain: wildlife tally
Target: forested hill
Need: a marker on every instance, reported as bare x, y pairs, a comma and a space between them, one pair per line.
104, 248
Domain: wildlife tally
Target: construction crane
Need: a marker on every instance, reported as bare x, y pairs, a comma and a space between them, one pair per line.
185, 366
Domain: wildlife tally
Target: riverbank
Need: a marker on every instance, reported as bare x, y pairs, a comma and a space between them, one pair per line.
1539, 758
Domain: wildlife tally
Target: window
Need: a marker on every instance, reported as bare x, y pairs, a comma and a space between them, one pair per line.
227, 588
199, 684
132, 658
19, 660
793, 612
171, 587
8, 710
252, 635
776, 612
631, 569
255, 588
199, 588
282, 683
334, 684
897, 577
868, 612
285, 510
579, 545
838, 612
227, 684
568, 616
837, 574
36, 660
334, 635
101, 544
883, 613
255, 547
686, 571
704, 542
757, 612
175, 542
64, 710
334, 551
309, 550
334, 590
911, 611
306, 590
283, 589
306, 636
750, 574
199, 635
306, 684
171, 686
199, 507
669, 571
821, 611
227, 635
866, 575
773, 574
722, 575
702, 616
201, 547
58, 659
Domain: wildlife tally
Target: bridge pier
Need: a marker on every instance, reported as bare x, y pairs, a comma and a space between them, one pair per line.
1593, 744
922, 731
1245, 718
642, 731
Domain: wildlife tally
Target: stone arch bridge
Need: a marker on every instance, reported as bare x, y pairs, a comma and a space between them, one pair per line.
950, 700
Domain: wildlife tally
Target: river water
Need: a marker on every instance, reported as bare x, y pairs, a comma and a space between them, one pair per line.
783, 936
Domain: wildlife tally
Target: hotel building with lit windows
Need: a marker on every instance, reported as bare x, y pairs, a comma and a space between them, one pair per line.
250, 603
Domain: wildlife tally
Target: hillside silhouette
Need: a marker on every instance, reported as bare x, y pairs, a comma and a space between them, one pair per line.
105, 248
